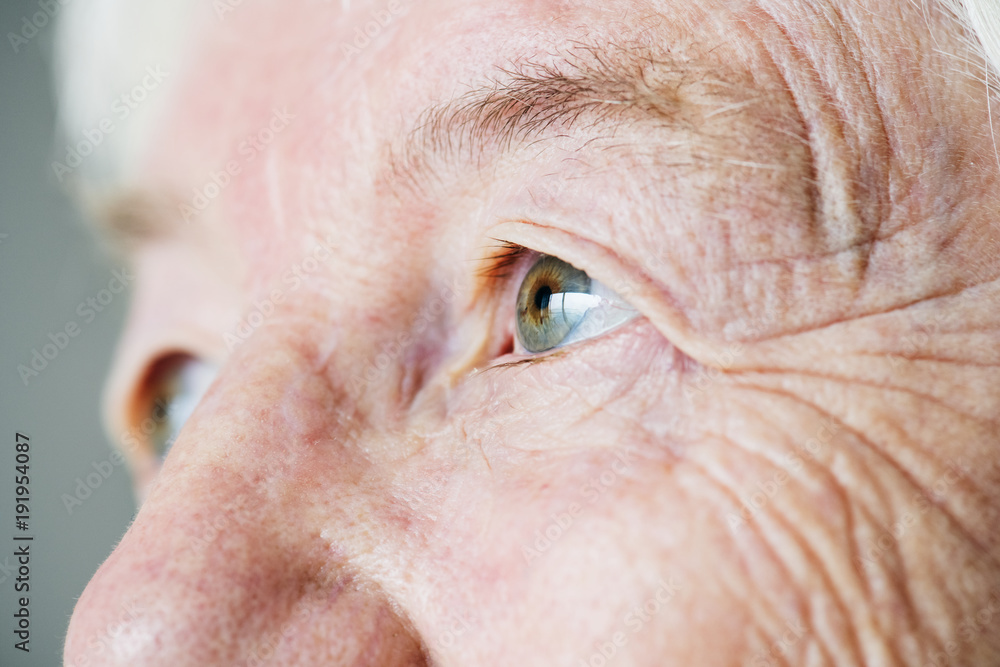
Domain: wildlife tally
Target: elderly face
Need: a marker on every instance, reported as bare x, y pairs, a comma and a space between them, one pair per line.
571, 334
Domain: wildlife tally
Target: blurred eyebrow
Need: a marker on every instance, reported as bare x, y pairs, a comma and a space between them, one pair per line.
593, 86
605, 86
131, 218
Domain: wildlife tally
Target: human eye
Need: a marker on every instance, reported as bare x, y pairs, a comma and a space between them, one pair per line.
172, 389
558, 304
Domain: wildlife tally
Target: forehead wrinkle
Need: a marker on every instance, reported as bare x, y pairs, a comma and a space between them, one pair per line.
528, 101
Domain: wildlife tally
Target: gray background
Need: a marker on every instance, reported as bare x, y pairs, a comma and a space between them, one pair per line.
49, 263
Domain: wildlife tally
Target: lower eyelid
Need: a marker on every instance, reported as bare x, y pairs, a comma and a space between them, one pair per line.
522, 362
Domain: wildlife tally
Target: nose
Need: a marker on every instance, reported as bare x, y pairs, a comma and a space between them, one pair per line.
238, 556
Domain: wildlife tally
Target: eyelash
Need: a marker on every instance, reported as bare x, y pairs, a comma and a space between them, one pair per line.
498, 271
500, 264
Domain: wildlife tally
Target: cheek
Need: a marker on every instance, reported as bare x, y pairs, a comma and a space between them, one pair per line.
572, 541
526, 501
530, 452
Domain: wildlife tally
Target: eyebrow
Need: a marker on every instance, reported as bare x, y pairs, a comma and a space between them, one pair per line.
606, 86
592, 87
130, 218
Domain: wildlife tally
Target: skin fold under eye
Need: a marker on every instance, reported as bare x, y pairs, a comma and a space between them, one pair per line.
558, 304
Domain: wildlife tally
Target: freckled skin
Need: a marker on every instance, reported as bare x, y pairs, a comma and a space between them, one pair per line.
789, 458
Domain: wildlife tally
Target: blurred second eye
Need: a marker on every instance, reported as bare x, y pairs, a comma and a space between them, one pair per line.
558, 304
178, 383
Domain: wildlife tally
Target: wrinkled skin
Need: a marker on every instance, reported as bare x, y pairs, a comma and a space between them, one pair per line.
790, 457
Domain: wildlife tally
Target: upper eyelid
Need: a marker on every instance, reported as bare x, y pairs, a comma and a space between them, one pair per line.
625, 275
499, 270
503, 261
510, 260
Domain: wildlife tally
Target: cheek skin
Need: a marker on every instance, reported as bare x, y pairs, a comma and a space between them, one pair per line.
533, 492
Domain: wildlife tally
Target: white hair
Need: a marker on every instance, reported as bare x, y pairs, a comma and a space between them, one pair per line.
982, 19
104, 49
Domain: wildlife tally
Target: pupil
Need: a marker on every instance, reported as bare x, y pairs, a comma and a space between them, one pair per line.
542, 298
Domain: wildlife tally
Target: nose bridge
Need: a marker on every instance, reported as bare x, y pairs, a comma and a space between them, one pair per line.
273, 424
226, 547
273, 404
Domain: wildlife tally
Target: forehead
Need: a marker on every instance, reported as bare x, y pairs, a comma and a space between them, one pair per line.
359, 75
359, 69
366, 87
303, 117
